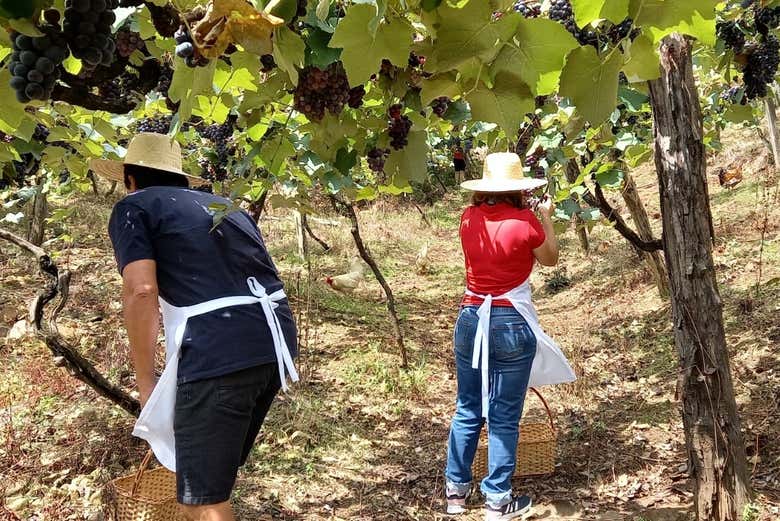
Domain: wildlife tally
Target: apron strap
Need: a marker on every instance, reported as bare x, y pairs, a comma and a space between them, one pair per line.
481, 354
269, 305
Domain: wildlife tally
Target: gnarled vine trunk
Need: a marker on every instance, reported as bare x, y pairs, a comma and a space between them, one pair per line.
713, 439
572, 172
40, 211
653, 259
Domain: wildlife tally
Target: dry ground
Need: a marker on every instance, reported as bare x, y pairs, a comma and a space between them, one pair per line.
360, 440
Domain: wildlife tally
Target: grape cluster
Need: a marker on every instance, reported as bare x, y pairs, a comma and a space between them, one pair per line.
119, 87
219, 134
761, 67
733, 94
525, 136
268, 62
185, 48
35, 62
87, 27
766, 19
533, 162
376, 158
561, 11
319, 90
623, 30
415, 60
398, 127
440, 105
158, 125
528, 8
166, 78
356, 96
731, 34
127, 42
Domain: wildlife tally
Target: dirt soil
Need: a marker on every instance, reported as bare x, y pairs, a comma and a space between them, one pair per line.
358, 438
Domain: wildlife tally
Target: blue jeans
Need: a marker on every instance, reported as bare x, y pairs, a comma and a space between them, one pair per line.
512, 351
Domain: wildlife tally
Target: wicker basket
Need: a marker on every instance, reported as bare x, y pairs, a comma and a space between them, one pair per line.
147, 495
535, 448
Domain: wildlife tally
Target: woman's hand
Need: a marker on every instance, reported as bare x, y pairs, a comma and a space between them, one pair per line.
546, 206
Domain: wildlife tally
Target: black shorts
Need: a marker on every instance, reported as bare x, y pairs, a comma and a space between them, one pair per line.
460, 164
215, 425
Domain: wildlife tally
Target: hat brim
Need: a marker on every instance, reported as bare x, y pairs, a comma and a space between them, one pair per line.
508, 185
115, 171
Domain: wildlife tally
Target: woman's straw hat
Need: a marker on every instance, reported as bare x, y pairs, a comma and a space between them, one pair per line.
503, 172
147, 149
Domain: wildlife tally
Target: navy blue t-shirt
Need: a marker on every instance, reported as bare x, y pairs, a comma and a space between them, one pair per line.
195, 263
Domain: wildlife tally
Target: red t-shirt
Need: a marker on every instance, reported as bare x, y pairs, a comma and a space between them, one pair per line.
498, 242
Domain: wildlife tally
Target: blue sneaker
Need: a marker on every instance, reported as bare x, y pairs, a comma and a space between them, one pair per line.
519, 507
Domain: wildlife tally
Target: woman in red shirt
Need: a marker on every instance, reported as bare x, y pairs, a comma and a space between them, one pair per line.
501, 239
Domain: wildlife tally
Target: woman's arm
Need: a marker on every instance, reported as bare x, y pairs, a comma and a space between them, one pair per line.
547, 253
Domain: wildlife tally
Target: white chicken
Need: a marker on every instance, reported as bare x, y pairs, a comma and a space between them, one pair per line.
350, 281
421, 263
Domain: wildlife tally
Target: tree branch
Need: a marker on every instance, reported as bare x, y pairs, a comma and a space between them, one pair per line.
64, 353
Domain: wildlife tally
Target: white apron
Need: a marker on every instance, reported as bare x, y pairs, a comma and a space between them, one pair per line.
155, 423
550, 365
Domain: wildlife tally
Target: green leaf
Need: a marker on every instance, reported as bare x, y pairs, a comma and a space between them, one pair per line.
505, 104
587, 11
633, 99
24, 26
288, 51
72, 65
470, 32
188, 83
11, 111
345, 160
738, 113
537, 53
330, 134
643, 62
458, 112
318, 53
439, 85
638, 154
662, 17
430, 5
590, 83
410, 163
240, 76
323, 8
363, 53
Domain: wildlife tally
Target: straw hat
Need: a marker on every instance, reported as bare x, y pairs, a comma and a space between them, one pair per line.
503, 172
147, 149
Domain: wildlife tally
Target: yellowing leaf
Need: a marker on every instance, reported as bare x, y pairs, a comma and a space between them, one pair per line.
590, 83
234, 21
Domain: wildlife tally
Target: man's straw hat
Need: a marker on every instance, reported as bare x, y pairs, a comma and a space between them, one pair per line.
147, 149
503, 172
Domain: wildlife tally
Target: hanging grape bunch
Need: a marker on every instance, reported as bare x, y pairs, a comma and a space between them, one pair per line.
356, 97
219, 134
624, 29
319, 90
119, 87
533, 162
398, 127
87, 27
761, 67
733, 94
376, 157
127, 42
528, 8
158, 125
440, 105
268, 63
766, 19
35, 62
214, 164
731, 34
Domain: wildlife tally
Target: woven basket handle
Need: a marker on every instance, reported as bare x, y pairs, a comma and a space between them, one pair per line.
546, 407
140, 474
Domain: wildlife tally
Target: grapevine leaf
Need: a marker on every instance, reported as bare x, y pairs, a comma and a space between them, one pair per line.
323, 8
234, 21
24, 26
537, 54
738, 113
288, 51
363, 53
11, 112
470, 32
643, 63
633, 99
318, 53
284, 9
188, 83
505, 104
72, 65
587, 11
590, 83
662, 17
430, 5
458, 112
330, 134
440, 85
410, 163
240, 76
345, 160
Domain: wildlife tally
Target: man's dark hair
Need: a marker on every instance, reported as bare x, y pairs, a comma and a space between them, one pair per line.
146, 177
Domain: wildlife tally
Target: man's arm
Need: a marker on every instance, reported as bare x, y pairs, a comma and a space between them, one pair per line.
142, 320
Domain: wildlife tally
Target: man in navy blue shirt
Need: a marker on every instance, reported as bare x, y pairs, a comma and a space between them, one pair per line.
167, 247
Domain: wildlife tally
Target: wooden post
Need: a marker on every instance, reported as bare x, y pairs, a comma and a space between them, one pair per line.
572, 172
713, 439
40, 212
771, 123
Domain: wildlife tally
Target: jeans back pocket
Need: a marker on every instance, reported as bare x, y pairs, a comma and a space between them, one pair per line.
511, 337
